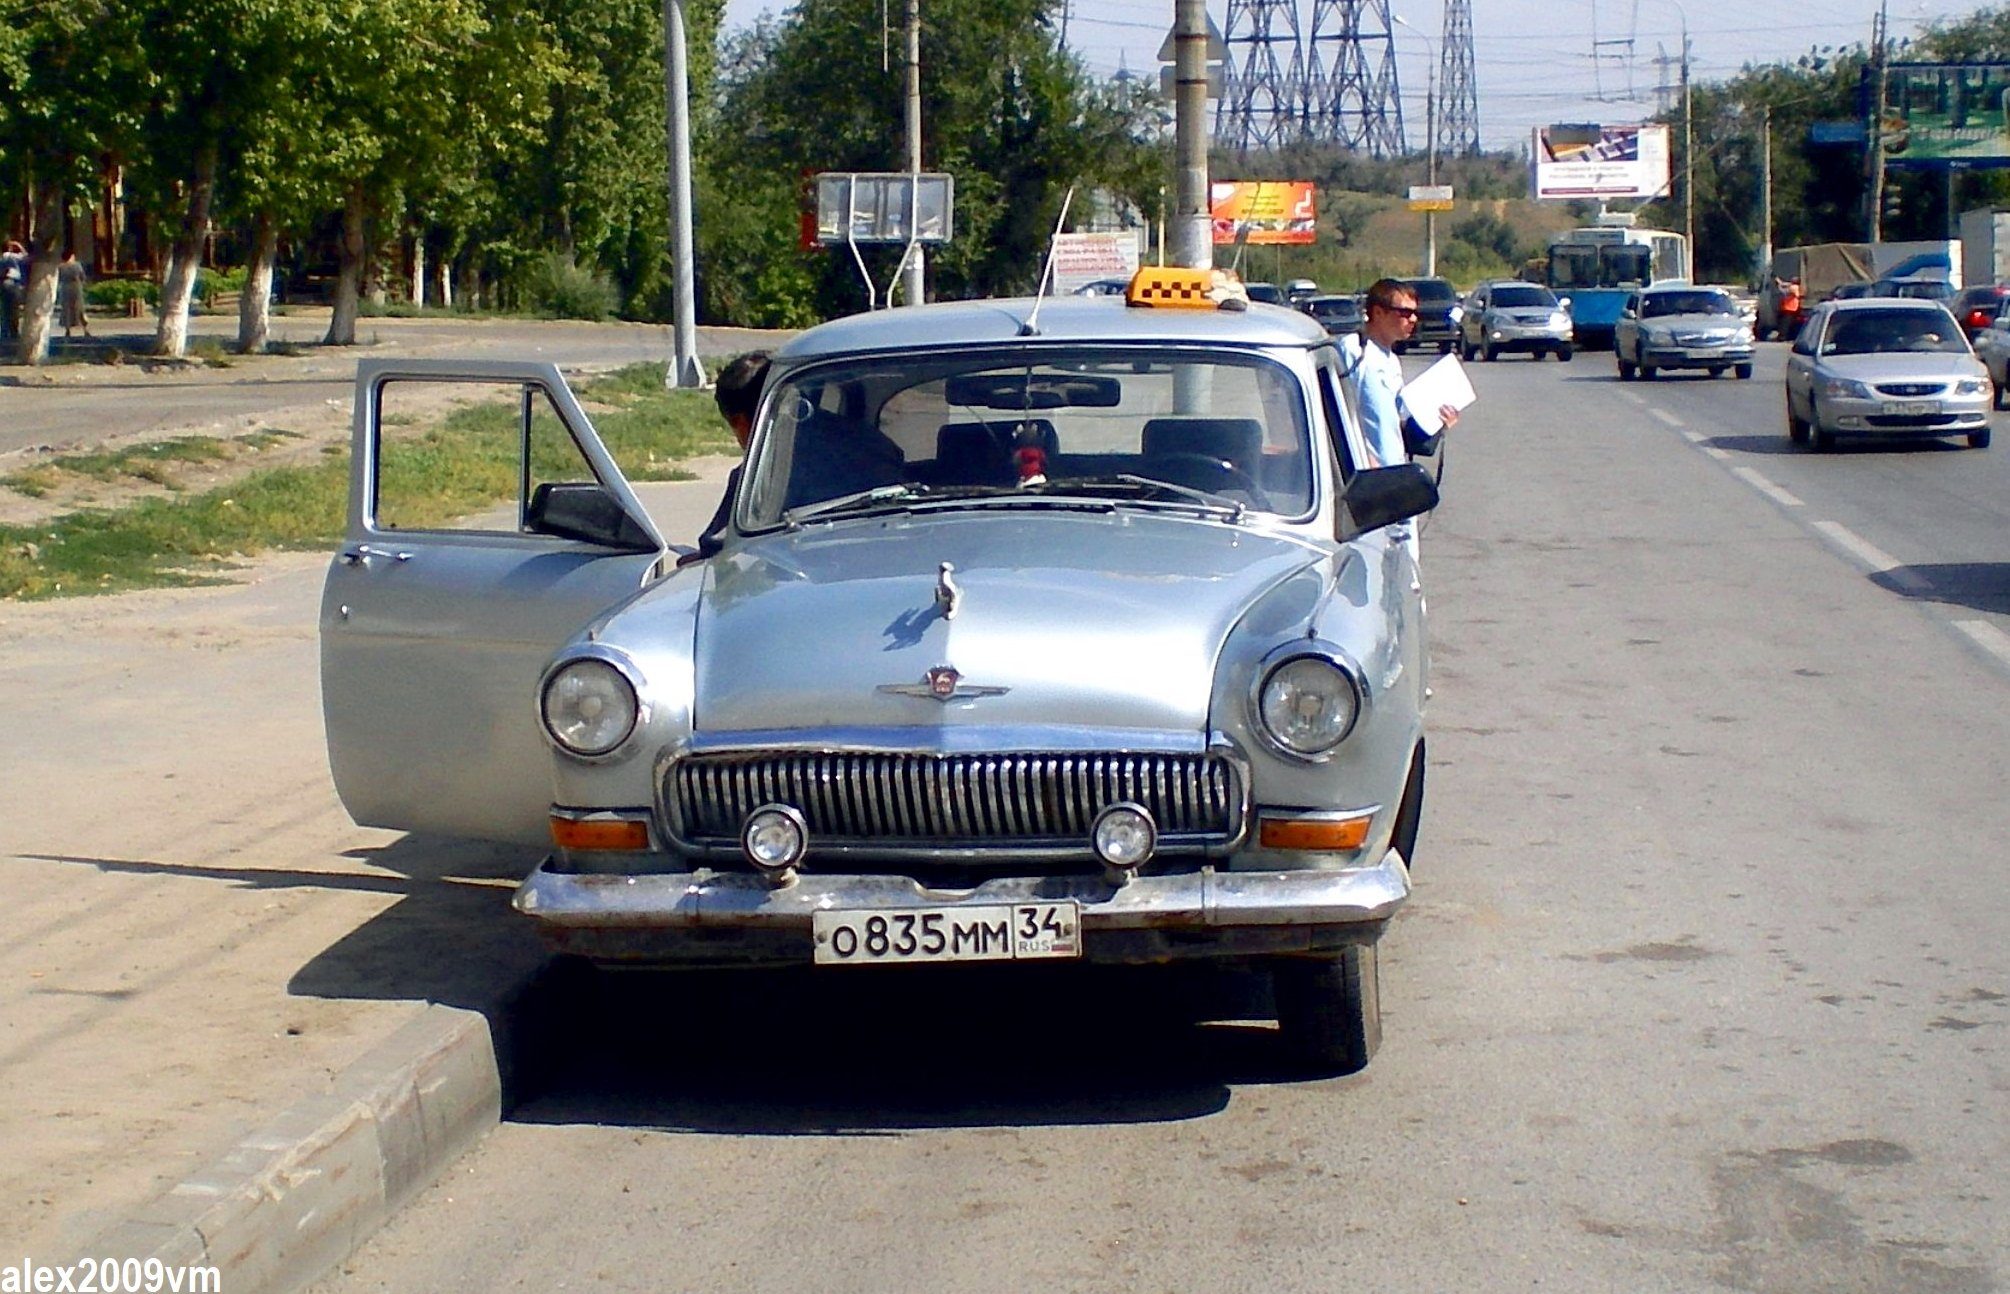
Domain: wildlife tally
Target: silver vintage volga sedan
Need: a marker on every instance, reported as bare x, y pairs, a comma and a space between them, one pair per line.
1058, 633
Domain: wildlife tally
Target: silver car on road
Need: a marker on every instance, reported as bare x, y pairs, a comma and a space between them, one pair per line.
1886, 367
1679, 325
1042, 631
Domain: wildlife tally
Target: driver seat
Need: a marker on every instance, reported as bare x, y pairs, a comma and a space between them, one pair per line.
1237, 441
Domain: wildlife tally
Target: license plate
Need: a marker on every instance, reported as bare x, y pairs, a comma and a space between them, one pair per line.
987, 933
1706, 354
1910, 408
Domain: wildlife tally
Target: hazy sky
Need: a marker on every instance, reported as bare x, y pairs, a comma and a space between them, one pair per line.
1533, 59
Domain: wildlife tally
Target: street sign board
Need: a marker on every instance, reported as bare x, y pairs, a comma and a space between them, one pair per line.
875, 207
1084, 258
1217, 48
1937, 114
1169, 82
1430, 197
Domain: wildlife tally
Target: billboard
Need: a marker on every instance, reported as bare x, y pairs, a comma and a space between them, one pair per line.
1269, 211
1940, 114
1587, 160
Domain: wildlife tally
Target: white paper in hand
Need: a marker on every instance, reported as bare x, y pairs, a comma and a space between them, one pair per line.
1443, 383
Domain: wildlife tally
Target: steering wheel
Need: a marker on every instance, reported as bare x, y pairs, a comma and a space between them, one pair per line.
1206, 472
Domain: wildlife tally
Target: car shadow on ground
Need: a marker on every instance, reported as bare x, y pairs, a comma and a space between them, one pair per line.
1980, 586
787, 1052
1778, 444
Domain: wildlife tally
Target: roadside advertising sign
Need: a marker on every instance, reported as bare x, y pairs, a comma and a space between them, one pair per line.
1587, 160
1430, 197
1084, 258
1941, 114
1272, 211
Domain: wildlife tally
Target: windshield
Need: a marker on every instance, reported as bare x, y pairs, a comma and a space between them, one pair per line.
899, 432
1573, 267
1529, 297
1435, 291
1871, 332
1337, 309
1687, 303
1623, 264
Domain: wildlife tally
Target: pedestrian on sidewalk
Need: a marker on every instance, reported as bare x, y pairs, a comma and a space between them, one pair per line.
70, 295
13, 288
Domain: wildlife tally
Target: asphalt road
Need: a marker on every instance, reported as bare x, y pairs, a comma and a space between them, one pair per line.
1705, 986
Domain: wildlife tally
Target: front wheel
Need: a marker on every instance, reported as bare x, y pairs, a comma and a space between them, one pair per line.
1797, 430
1625, 369
1329, 1009
1996, 395
1979, 439
1491, 353
1466, 351
1744, 372
1563, 353
1824, 441
1647, 372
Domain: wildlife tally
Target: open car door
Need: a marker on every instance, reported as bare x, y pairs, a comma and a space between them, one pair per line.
435, 626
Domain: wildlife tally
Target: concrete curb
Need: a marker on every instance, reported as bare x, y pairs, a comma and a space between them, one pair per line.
296, 1197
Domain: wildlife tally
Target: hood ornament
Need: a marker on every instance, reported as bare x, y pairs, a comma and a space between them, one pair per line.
943, 684
947, 596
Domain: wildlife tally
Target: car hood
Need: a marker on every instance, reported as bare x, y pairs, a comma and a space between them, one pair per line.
1106, 620
1901, 366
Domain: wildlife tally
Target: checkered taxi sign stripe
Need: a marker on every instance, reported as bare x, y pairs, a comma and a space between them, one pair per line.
1192, 290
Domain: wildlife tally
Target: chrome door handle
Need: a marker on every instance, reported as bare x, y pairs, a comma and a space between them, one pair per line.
361, 554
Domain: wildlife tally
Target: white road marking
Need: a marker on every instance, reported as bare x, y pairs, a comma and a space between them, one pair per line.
1666, 417
1637, 399
1722, 455
1694, 437
1766, 487
1879, 561
1988, 637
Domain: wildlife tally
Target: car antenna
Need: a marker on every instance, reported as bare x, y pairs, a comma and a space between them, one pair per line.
1031, 328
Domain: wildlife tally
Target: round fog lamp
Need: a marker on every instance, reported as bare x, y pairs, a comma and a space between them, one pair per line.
1124, 836
775, 838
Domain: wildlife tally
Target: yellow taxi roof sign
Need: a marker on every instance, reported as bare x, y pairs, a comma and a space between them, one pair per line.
1177, 287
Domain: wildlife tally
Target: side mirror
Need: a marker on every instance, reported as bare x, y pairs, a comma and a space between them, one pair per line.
584, 511
1564, 302
1382, 496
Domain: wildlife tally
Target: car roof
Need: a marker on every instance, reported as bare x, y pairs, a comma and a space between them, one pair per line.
1061, 320
1852, 305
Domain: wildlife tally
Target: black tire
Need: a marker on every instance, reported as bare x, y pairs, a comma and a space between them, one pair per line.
1797, 429
1491, 353
1647, 372
1444, 348
1329, 1009
1626, 369
1563, 354
1410, 812
1823, 441
1996, 395
1744, 372
1466, 351
1979, 439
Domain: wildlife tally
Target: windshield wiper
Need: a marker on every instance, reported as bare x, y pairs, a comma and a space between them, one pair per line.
899, 495
1145, 487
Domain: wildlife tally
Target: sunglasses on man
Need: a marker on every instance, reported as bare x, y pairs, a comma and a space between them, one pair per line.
1408, 312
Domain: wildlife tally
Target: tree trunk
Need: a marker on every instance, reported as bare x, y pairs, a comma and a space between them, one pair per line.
38, 304
349, 282
419, 269
254, 308
443, 272
171, 338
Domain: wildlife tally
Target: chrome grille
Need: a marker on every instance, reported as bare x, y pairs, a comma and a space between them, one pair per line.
1910, 388
955, 800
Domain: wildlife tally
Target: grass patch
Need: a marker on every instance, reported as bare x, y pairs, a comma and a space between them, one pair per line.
153, 462
464, 467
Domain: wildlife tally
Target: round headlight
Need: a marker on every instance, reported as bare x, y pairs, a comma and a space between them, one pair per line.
1308, 705
774, 838
1124, 836
589, 707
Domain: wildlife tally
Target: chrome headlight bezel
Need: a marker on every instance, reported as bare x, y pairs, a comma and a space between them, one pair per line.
607, 664
1352, 684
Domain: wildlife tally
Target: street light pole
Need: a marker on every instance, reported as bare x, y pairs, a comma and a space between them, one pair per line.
1431, 141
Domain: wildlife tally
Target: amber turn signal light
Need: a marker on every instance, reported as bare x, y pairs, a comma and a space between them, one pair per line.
599, 833
1313, 833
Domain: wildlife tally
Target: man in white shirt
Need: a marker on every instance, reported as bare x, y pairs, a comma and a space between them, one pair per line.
1378, 375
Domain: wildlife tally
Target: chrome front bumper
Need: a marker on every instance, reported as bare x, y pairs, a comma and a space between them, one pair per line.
696, 916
